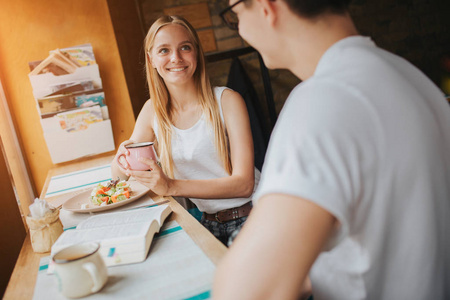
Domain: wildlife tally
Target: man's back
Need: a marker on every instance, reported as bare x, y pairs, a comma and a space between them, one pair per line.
356, 176
385, 138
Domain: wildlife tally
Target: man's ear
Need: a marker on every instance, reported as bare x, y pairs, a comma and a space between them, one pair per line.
270, 10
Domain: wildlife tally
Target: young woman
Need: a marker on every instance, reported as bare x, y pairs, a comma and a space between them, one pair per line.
202, 134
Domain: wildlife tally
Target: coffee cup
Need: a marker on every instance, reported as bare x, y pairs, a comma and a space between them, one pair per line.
80, 270
137, 150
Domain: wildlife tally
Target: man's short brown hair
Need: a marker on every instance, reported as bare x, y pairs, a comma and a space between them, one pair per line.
314, 8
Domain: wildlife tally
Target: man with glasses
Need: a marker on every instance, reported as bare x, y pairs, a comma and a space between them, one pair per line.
355, 190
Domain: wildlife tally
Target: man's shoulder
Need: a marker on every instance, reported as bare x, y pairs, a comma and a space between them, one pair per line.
320, 91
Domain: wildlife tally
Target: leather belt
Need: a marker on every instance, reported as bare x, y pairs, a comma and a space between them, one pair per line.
230, 214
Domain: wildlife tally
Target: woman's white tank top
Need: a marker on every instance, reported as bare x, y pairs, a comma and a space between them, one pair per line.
195, 157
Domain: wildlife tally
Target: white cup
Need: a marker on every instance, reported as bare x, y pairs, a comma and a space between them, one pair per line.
80, 270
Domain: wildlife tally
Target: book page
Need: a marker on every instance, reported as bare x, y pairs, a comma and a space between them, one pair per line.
70, 220
125, 217
128, 231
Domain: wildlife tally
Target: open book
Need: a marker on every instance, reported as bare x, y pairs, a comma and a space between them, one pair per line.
124, 237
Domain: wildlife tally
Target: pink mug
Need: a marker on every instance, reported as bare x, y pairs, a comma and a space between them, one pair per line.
138, 150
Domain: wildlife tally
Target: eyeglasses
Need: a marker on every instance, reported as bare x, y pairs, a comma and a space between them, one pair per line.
229, 17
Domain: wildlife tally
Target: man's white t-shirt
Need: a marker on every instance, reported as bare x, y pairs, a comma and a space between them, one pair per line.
368, 139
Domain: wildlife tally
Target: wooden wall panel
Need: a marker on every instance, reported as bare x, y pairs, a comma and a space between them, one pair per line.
29, 30
130, 34
17, 166
12, 231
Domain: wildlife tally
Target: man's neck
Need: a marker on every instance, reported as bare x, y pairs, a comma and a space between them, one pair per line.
306, 46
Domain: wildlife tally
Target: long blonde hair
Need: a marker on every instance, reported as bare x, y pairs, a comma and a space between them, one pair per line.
161, 99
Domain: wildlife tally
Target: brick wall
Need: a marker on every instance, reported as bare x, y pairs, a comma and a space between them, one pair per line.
418, 30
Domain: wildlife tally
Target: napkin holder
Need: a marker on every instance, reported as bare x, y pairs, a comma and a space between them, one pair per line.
44, 231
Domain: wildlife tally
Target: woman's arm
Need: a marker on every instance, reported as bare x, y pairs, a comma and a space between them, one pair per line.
241, 181
143, 132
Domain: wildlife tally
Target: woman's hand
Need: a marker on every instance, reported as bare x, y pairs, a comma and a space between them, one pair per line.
120, 160
155, 179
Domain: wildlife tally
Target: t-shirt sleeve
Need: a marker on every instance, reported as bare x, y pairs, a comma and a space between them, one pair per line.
315, 153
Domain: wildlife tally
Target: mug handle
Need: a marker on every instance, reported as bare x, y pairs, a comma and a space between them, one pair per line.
95, 275
118, 160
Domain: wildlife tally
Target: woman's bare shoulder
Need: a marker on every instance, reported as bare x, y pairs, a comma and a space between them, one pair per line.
231, 100
147, 113
230, 94
148, 105
148, 108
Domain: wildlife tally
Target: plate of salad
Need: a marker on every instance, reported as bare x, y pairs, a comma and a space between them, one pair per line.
105, 196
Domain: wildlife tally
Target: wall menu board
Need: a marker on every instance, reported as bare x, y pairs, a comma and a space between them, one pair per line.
71, 103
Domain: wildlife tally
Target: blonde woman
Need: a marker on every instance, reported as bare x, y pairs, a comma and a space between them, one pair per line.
202, 134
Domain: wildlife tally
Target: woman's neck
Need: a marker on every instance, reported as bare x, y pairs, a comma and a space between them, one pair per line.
185, 110
183, 97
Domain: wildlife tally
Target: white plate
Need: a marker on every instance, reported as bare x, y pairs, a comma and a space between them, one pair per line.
75, 203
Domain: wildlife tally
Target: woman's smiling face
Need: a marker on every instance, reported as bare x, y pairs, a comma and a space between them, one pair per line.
173, 54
